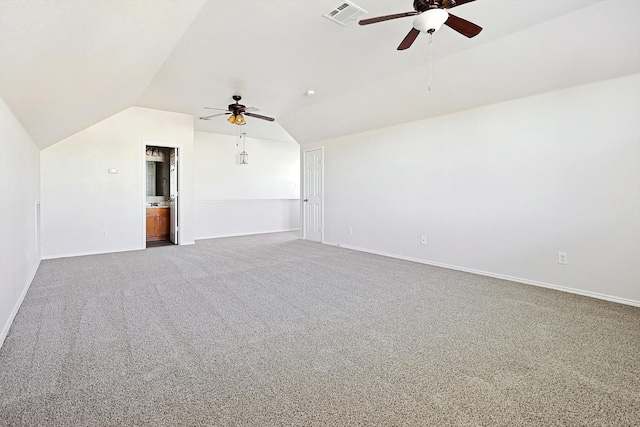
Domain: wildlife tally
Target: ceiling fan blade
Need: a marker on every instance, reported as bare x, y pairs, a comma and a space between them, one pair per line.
409, 39
212, 108
214, 115
249, 109
455, 3
258, 116
387, 17
463, 26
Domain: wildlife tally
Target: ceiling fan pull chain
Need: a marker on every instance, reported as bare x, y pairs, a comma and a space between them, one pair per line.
430, 59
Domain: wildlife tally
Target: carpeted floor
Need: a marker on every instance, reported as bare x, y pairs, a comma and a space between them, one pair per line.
271, 330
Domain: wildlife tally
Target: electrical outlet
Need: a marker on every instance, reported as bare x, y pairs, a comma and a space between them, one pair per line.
562, 258
423, 240
104, 233
350, 230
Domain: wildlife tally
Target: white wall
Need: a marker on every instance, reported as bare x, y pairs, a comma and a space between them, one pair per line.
80, 199
19, 193
233, 199
502, 189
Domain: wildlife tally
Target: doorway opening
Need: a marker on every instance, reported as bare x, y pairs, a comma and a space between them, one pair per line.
161, 195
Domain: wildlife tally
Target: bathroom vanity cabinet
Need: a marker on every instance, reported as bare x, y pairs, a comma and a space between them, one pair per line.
157, 223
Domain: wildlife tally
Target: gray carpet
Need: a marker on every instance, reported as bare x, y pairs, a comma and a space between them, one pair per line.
270, 330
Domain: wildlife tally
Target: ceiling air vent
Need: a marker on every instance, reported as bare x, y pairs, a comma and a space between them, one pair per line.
345, 13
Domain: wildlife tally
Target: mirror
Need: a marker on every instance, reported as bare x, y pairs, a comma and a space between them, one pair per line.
157, 179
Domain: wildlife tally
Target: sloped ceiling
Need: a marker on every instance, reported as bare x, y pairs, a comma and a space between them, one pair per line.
65, 65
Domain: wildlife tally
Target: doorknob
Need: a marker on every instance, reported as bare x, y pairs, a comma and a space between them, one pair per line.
305, 200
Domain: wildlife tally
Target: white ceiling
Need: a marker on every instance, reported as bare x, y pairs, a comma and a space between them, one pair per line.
66, 64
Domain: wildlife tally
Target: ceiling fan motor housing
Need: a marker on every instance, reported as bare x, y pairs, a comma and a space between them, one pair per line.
424, 5
237, 108
421, 5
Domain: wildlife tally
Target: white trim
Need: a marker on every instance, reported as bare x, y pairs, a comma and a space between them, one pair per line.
246, 200
248, 234
115, 251
14, 312
76, 254
496, 276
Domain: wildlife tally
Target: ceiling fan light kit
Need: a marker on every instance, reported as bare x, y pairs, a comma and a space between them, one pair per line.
431, 20
237, 119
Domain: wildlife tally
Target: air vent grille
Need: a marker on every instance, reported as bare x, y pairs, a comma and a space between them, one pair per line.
345, 12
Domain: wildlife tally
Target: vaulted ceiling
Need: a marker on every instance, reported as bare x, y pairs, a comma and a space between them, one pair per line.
66, 65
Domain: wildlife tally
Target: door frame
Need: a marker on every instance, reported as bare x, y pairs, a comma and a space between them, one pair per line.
303, 193
179, 205
174, 197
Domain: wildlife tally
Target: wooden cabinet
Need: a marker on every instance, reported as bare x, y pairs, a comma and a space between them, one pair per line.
157, 224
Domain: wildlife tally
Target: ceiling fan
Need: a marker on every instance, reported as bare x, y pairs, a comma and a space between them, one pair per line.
237, 112
430, 15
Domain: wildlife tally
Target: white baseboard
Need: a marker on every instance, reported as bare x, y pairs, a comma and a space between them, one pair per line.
496, 275
14, 312
77, 254
246, 234
114, 251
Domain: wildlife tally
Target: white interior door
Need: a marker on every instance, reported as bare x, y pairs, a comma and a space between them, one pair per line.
313, 193
173, 196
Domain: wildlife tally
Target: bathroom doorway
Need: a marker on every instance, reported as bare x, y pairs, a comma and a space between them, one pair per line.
161, 195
